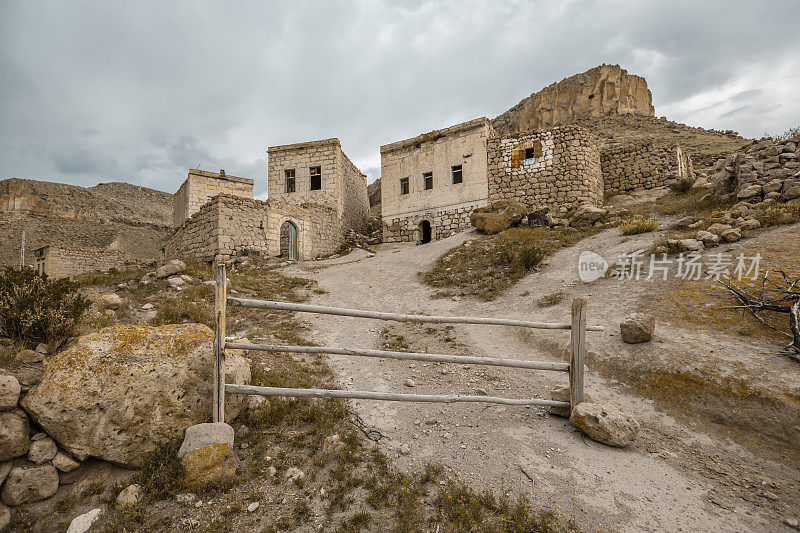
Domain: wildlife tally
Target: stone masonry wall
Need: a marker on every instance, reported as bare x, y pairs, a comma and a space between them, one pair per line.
444, 222
301, 157
355, 200
63, 262
564, 172
200, 186
643, 166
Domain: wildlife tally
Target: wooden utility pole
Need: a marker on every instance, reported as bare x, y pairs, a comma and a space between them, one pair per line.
218, 388
22, 252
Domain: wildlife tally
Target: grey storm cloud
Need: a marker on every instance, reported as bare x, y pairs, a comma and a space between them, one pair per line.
142, 91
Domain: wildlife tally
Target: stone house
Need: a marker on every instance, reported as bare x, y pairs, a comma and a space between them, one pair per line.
315, 195
61, 261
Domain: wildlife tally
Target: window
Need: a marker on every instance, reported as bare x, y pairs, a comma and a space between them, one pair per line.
403, 185
427, 179
458, 175
290, 186
316, 178
529, 153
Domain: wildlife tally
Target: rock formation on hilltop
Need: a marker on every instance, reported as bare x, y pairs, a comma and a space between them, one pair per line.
607, 90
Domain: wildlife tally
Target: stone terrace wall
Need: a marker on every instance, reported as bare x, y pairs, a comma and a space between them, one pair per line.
444, 222
643, 166
564, 175
63, 262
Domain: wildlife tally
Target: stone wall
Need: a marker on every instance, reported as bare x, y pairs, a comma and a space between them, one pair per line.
641, 166
563, 172
766, 170
58, 262
200, 186
607, 90
442, 205
355, 200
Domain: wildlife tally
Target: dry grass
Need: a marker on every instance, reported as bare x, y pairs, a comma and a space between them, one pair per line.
638, 224
549, 300
486, 266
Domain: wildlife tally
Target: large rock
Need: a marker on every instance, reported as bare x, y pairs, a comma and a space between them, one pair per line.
586, 215
638, 327
14, 440
30, 483
731, 235
207, 453
83, 523
791, 193
498, 216
42, 450
171, 268
563, 394
9, 392
121, 393
605, 424
751, 192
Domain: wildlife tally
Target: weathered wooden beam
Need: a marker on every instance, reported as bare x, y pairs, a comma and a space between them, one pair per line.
386, 396
396, 317
218, 386
578, 349
409, 356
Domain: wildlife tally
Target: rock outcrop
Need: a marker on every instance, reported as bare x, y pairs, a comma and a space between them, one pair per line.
122, 392
498, 216
767, 170
607, 90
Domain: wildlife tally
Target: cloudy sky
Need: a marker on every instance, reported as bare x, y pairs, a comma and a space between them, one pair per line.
141, 91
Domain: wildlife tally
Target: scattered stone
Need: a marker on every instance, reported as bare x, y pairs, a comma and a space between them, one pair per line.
638, 327
498, 216
28, 356
686, 245
605, 424
481, 392
207, 453
685, 222
129, 496
175, 282
111, 300
26, 484
147, 307
272, 471
410, 383
731, 235
84, 522
405, 449
42, 450
751, 192
254, 402
14, 429
123, 392
708, 238
171, 268
42, 348
718, 228
64, 462
187, 278
9, 392
749, 224
562, 394
294, 474
586, 215
332, 446
252, 507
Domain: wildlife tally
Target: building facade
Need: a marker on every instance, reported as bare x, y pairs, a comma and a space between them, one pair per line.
200, 186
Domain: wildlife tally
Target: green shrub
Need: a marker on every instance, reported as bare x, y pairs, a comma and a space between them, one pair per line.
638, 224
34, 308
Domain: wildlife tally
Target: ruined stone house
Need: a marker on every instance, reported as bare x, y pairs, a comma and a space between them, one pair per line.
315, 194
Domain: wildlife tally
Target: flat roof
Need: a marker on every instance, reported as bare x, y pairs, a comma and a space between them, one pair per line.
304, 145
436, 134
216, 175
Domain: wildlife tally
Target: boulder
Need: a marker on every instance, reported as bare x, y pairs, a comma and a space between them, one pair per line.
5, 468
498, 216
586, 215
207, 453
129, 496
171, 268
30, 483
708, 238
718, 228
685, 222
751, 192
605, 424
749, 223
42, 450
83, 523
5, 517
14, 440
638, 327
28, 357
731, 235
9, 392
773, 186
121, 393
175, 281
562, 394
64, 463
791, 193
111, 299
686, 245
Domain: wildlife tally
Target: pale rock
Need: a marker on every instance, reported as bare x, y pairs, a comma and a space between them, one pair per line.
586, 215
123, 392
207, 453
685, 222
562, 394
637, 327
147, 307
64, 462
751, 192
252, 507
254, 402
605, 423
175, 282
5, 468
28, 483
791, 193
5, 518
332, 446
749, 224
498, 216
410, 383
14, 429
42, 348
129, 496
187, 278
171, 268
689, 245
28, 356
42, 450
718, 228
111, 300
201, 435
294, 474
773, 186
708, 238
9, 392
84, 522
731, 235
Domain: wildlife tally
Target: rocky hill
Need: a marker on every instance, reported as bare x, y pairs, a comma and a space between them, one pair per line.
116, 216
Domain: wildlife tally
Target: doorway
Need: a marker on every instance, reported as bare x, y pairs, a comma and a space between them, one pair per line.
424, 232
289, 240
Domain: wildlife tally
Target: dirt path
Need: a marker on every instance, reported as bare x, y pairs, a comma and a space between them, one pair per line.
677, 477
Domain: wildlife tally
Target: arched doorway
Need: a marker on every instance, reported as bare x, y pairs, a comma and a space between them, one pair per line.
289, 240
424, 232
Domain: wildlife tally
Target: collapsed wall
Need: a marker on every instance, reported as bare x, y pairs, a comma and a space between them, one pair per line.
558, 168
58, 262
643, 165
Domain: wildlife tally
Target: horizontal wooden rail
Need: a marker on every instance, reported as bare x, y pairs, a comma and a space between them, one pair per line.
410, 356
305, 308
389, 396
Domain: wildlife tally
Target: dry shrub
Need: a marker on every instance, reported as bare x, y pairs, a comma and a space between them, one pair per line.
638, 224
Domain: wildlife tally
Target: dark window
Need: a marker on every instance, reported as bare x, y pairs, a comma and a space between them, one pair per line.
403, 185
458, 176
529, 153
316, 178
290, 185
427, 178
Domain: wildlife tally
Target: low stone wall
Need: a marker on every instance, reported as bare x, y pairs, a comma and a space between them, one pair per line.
643, 166
564, 171
60, 262
444, 222
765, 169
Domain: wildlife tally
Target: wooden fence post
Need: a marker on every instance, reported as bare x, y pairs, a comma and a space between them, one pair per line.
578, 348
220, 296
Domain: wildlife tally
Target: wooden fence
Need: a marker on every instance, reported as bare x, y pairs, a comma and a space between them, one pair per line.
577, 327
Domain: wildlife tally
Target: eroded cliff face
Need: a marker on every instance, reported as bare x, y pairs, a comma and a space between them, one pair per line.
607, 90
